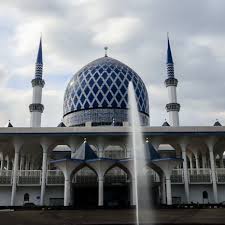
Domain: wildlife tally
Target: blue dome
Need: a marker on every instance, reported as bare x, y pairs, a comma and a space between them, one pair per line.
103, 84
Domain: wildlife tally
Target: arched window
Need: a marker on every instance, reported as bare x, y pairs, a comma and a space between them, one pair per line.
26, 197
205, 195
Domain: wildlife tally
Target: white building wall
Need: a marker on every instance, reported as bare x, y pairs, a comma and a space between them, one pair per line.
53, 192
34, 194
196, 191
5, 195
221, 192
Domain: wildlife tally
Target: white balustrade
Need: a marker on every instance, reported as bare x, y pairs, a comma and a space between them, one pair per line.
177, 176
197, 176
29, 177
220, 175
55, 177
5, 177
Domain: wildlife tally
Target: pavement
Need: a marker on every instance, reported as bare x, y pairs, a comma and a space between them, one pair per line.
113, 217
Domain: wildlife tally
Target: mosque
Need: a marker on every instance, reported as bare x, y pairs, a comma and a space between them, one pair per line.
87, 160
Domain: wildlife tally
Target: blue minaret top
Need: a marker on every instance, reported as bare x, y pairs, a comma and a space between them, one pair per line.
169, 53
39, 63
39, 56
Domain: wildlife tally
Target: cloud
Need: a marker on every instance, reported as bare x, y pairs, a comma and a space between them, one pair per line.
116, 31
75, 32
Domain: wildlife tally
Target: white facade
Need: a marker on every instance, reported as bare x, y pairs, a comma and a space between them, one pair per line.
46, 187
39, 165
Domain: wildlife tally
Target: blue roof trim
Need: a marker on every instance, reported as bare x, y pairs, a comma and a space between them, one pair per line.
101, 159
169, 54
151, 152
125, 160
164, 159
39, 56
66, 159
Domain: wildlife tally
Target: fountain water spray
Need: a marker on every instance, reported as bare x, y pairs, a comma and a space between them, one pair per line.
142, 178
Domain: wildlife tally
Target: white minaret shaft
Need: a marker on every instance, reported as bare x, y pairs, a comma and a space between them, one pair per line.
171, 82
36, 108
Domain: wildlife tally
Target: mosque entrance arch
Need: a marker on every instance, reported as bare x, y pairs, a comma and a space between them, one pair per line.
85, 188
116, 188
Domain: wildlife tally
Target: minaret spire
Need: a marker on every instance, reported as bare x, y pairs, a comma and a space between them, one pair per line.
39, 56
171, 82
36, 108
169, 53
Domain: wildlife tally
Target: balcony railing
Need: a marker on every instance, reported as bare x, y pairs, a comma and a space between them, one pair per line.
29, 177
55, 177
198, 176
5, 177
177, 176
220, 172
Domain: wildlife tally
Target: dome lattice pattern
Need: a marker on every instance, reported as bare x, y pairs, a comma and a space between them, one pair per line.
103, 83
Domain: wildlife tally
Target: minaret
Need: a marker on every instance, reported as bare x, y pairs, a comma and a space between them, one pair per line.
36, 108
171, 83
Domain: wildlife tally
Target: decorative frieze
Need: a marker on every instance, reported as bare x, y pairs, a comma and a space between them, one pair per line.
36, 107
171, 82
173, 107
38, 82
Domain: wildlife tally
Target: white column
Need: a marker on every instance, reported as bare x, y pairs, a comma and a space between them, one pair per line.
221, 161
212, 164
31, 164
44, 173
2, 162
14, 175
168, 191
185, 170
100, 191
191, 162
7, 163
27, 162
163, 190
197, 162
203, 160
100, 151
133, 192
21, 162
67, 190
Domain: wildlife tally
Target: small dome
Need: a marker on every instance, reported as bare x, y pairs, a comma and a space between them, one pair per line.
99, 92
61, 125
166, 124
9, 124
217, 124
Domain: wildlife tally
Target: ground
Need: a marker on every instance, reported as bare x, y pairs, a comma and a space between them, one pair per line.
98, 217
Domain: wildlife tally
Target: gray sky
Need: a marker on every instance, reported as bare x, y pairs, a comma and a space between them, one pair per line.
75, 33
